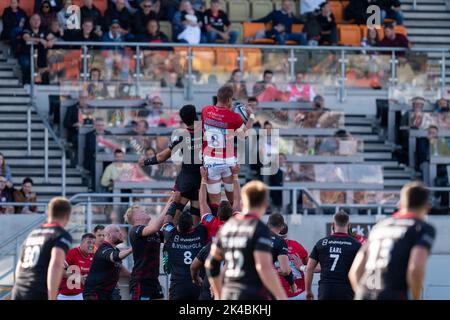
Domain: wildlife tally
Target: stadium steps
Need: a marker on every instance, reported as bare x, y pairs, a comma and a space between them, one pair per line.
14, 102
429, 27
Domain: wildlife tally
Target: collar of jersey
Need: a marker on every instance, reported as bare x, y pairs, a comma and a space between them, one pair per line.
340, 234
403, 215
51, 224
249, 215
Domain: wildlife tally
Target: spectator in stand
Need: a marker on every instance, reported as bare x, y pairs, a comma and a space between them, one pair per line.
55, 4
85, 34
282, 21
262, 85
114, 170
142, 17
153, 107
391, 9
327, 22
159, 10
393, 39
191, 24
96, 87
238, 84
63, 14
252, 103
372, 38
75, 118
140, 134
356, 11
79, 260
116, 33
90, 147
55, 32
307, 6
5, 171
89, 10
14, 20
150, 171
47, 13
153, 33
99, 233
25, 194
318, 104
442, 105
5, 196
299, 90
217, 25
118, 12
38, 35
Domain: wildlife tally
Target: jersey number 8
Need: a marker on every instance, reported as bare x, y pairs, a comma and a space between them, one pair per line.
187, 257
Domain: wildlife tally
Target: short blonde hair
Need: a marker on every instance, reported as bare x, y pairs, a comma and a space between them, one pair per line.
128, 216
254, 194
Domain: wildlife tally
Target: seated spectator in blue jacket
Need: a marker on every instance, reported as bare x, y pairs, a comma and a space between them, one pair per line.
116, 33
217, 25
282, 21
390, 9
14, 19
442, 105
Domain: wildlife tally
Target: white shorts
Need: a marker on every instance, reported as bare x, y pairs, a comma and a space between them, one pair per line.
301, 296
64, 297
218, 172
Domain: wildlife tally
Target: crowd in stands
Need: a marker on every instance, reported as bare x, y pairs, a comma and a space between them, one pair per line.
192, 22
9, 194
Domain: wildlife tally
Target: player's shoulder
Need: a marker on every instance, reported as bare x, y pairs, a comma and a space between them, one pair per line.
208, 218
423, 226
169, 228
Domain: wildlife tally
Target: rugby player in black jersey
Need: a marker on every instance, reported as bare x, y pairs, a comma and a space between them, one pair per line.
146, 239
280, 249
106, 266
335, 254
188, 180
391, 265
41, 265
182, 244
245, 245
198, 273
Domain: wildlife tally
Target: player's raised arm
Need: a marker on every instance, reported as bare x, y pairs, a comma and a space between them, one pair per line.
203, 195
156, 224
161, 157
268, 275
55, 272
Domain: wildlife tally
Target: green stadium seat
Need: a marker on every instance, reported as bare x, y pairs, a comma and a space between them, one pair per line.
261, 8
238, 10
166, 27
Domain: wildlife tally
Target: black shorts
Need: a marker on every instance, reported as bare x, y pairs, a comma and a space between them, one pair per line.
28, 295
98, 296
188, 184
335, 292
245, 294
185, 290
381, 295
146, 290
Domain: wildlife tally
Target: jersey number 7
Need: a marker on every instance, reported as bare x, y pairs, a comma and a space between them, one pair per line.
336, 258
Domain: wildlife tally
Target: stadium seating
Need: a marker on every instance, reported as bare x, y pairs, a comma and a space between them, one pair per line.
349, 35
261, 8
238, 10
166, 27
338, 11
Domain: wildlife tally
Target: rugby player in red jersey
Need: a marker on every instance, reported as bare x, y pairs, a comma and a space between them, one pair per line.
220, 127
78, 262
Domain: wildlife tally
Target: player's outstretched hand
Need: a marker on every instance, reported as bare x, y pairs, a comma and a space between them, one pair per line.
204, 173
309, 296
236, 169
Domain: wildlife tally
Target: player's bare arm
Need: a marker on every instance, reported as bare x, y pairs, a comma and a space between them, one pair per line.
416, 270
212, 266
156, 224
195, 272
236, 188
203, 194
309, 274
55, 272
119, 256
268, 275
357, 269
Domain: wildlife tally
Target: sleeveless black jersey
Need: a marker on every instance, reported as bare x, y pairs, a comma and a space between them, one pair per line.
335, 254
238, 239
279, 247
31, 281
146, 254
104, 274
191, 141
182, 248
387, 251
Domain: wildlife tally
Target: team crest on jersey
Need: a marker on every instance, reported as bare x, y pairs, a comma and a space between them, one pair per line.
209, 218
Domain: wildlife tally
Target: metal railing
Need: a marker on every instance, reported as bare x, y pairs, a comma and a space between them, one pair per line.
47, 129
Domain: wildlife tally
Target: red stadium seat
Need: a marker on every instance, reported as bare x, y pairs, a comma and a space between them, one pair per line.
250, 29
3, 4
101, 5
349, 35
402, 30
27, 6
338, 11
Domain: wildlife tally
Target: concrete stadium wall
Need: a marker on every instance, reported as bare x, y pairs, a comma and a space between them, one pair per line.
11, 224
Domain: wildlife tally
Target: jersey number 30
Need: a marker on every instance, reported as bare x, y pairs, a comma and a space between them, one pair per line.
31, 257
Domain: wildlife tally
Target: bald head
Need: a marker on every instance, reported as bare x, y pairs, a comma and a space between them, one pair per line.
113, 234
